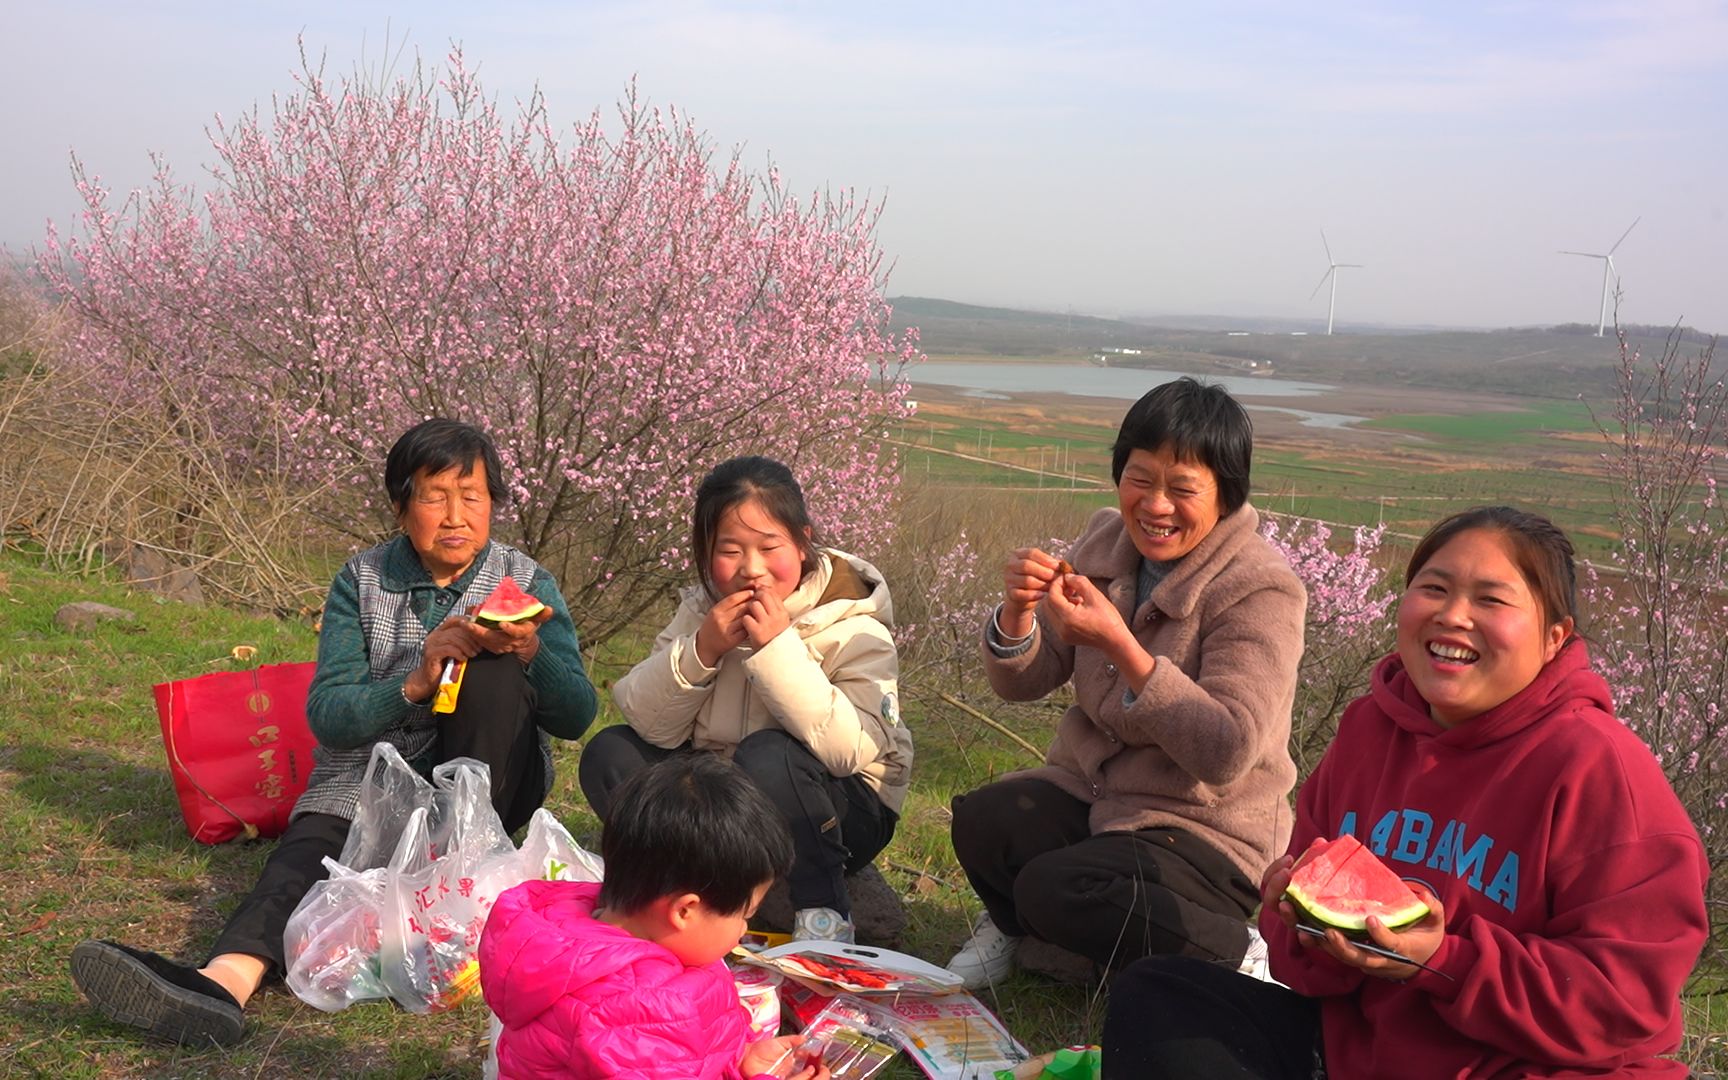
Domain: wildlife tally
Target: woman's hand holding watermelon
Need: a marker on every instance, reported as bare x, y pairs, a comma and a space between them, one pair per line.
520, 639
1418, 941
1273, 881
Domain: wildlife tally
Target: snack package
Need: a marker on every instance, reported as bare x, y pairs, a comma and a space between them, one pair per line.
802, 1003
755, 941
449, 686
846, 1037
759, 992
858, 969
1069, 1063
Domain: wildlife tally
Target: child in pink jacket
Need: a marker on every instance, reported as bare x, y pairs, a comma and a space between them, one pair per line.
626, 979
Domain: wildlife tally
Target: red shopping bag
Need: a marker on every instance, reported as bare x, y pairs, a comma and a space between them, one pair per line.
238, 748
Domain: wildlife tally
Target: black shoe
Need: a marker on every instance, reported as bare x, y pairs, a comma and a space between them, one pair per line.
167, 999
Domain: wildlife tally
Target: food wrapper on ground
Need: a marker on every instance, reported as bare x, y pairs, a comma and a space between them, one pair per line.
950, 1037
856, 969
1069, 1063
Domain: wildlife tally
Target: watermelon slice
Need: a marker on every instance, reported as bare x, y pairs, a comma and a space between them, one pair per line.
508, 603
1339, 883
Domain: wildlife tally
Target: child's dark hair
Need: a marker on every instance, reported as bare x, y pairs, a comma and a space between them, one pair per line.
1199, 422
1542, 553
737, 481
691, 824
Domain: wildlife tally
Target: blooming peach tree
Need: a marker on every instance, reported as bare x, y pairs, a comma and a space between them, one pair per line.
618, 305
1661, 623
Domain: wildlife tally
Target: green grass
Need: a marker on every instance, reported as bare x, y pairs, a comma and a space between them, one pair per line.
93, 846
1531, 423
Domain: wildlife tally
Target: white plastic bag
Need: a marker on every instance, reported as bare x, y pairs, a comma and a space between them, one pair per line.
450, 863
401, 914
549, 853
332, 940
389, 793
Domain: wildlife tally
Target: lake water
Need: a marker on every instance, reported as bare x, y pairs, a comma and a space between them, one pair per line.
997, 381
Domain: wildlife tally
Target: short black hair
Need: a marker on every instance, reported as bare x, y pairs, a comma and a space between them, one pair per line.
1199, 422
737, 481
692, 823
436, 445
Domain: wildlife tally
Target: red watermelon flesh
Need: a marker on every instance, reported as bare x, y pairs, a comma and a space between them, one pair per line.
1339, 883
508, 603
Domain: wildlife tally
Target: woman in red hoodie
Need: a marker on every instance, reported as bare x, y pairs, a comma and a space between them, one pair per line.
1565, 881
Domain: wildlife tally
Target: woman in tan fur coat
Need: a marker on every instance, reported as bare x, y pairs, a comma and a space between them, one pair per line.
1164, 793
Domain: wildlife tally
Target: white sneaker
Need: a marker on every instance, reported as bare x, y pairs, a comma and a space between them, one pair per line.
987, 957
1255, 963
821, 924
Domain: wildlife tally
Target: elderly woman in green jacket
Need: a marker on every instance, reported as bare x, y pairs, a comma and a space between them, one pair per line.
396, 614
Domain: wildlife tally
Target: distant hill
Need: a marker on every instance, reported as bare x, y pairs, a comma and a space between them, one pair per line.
1007, 331
1557, 362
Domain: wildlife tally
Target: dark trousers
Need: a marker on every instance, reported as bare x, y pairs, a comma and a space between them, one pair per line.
838, 824
493, 723
1178, 1016
1028, 849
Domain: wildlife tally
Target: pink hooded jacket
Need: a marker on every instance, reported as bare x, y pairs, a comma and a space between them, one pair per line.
579, 998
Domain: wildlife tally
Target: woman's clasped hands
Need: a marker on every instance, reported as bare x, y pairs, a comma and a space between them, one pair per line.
756, 615
1078, 612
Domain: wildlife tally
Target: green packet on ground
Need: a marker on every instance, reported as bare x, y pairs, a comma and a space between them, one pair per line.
1071, 1063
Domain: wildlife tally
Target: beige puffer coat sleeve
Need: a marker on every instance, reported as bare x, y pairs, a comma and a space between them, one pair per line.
663, 693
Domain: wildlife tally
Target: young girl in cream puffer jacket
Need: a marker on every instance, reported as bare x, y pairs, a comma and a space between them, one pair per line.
782, 660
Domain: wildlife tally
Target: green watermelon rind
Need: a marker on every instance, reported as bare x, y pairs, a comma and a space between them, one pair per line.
1312, 912
492, 619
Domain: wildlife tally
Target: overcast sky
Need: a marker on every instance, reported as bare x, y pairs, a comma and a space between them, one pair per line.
1107, 158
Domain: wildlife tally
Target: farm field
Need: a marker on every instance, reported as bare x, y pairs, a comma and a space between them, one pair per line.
1403, 469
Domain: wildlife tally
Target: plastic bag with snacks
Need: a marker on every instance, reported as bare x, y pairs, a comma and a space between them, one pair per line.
332, 940
443, 877
401, 914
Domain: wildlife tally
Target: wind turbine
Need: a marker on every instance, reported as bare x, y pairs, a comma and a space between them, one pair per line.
1332, 268
1607, 270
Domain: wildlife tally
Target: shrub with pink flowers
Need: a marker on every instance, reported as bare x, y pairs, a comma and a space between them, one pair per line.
618, 304
1347, 629
1660, 627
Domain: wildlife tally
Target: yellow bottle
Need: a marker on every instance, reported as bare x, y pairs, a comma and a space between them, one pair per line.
449, 685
